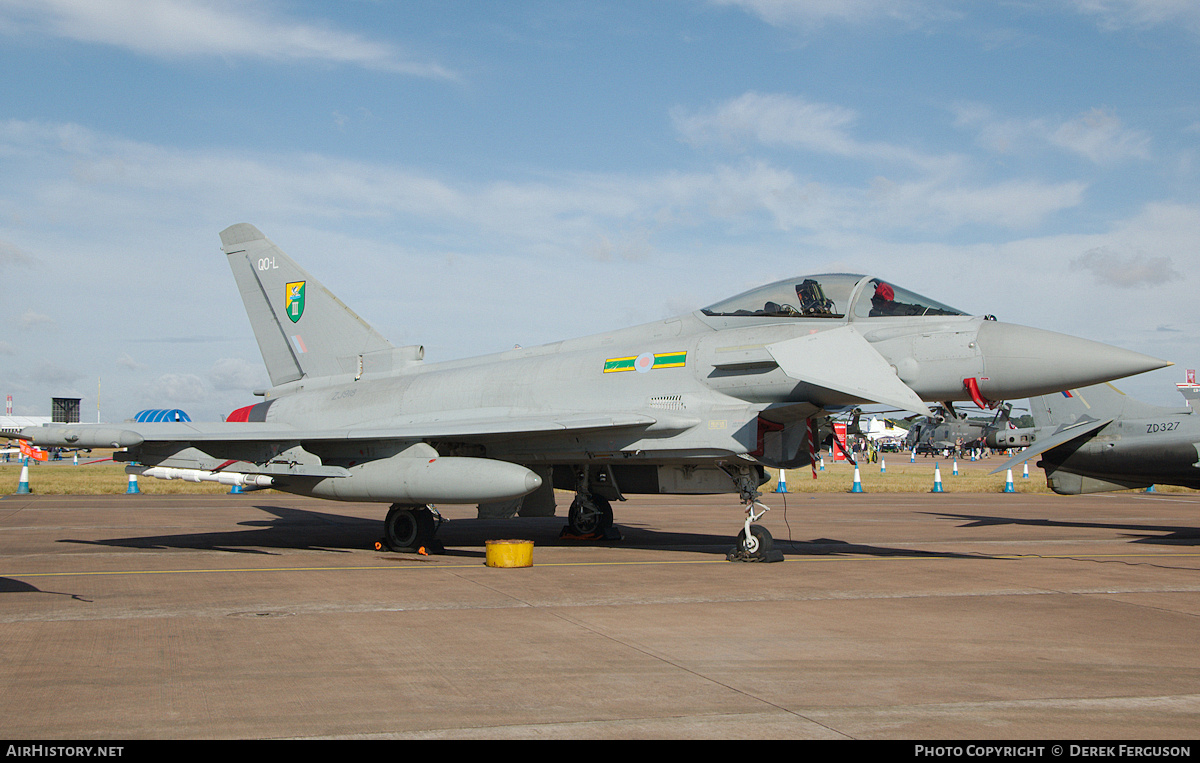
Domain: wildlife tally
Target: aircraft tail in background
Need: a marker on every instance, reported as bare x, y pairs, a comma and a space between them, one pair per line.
1100, 401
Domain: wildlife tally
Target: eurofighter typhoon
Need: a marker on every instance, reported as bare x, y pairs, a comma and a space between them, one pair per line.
1098, 438
698, 403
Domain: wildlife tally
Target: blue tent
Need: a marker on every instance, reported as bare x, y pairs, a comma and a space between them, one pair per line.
162, 414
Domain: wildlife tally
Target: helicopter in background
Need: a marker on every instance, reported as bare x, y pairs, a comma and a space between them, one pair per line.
955, 431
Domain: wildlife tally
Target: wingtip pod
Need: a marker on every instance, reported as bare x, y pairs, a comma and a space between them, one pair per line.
1023, 362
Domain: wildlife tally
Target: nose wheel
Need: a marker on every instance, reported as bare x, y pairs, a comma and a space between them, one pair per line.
754, 542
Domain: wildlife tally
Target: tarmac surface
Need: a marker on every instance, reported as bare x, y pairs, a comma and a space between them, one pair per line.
893, 616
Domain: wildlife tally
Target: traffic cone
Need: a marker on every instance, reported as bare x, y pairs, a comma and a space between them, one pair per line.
955, 472
1150, 489
857, 488
912, 457
937, 479
238, 489
23, 485
132, 487
882, 465
1008, 483
1025, 471
782, 486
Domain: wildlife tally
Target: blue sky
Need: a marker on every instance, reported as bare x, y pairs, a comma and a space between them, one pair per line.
474, 175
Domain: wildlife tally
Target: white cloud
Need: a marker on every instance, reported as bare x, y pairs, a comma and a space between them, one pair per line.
942, 197
1009, 204
11, 254
772, 119
176, 389
1097, 135
570, 215
813, 13
1113, 15
1100, 137
236, 374
54, 375
1128, 271
201, 28
31, 319
781, 120
1121, 14
127, 362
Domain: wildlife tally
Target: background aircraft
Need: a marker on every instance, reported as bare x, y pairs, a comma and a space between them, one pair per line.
951, 429
698, 403
1098, 438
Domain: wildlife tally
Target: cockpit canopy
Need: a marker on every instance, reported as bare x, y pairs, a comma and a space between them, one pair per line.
832, 295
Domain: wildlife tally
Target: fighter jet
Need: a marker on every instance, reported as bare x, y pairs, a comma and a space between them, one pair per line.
697, 403
1096, 439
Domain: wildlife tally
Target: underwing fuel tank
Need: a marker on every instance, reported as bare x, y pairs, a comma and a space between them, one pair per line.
419, 480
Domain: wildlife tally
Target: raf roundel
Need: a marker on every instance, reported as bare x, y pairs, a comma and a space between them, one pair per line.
644, 362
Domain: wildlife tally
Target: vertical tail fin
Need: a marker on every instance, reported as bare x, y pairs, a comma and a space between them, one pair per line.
1100, 401
301, 327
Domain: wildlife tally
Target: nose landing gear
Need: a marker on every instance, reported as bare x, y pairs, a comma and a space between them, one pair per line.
754, 542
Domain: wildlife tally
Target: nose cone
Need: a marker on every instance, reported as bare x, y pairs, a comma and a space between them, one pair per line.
1020, 361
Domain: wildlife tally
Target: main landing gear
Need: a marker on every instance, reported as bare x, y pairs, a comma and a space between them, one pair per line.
411, 529
590, 518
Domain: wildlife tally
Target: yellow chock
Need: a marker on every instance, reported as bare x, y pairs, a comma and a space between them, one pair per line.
509, 553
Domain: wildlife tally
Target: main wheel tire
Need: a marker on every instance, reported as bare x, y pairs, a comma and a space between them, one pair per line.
588, 521
407, 529
759, 543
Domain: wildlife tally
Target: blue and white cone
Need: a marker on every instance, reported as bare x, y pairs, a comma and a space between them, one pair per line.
912, 457
822, 464
1025, 471
780, 488
857, 488
882, 465
23, 485
1008, 483
238, 489
937, 479
132, 487
955, 472
1150, 489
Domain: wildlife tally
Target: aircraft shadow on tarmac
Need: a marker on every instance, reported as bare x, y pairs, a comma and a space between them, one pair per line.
1138, 533
299, 529
293, 529
11, 585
